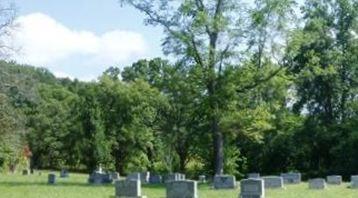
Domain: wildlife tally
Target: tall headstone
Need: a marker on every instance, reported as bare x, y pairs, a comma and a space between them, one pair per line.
51, 178
252, 188
182, 189
317, 184
224, 182
291, 178
354, 181
334, 179
155, 179
273, 182
253, 175
128, 189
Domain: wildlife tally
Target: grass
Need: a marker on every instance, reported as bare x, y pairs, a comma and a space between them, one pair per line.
35, 186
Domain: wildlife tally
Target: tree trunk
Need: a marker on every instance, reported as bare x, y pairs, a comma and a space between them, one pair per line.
218, 146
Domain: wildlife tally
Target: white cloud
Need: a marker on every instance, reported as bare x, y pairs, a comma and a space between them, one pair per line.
43, 41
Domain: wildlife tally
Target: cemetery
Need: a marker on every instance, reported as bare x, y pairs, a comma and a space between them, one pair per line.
51, 184
179, 99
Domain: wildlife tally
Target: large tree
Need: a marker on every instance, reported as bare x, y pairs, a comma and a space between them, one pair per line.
209, 35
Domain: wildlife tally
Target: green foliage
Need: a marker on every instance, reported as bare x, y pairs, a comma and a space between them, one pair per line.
255, 88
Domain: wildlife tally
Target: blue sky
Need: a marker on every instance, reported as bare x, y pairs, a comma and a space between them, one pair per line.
81, 38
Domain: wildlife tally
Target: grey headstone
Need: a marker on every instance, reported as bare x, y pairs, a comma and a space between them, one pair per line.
291, 178
202, 178
144, 177
100, 178
354, 181
128, 189
155, 179
317, 183
133, 176
273, 182
252, 188
253, 175
51, 178
174, 177
334, 179
182, 189
64, 173
115, 175
224, 182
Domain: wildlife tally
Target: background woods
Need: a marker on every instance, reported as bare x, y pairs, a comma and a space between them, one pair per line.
268, 87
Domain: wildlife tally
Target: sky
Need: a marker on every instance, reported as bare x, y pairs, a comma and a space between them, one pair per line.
82, 38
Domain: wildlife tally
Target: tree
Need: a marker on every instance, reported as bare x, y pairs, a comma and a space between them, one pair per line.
181, 122
324, 60
207, 35
7, 26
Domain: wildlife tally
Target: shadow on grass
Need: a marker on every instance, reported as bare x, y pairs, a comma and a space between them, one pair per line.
61, 184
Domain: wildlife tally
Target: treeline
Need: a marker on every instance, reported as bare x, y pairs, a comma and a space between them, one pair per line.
282, 106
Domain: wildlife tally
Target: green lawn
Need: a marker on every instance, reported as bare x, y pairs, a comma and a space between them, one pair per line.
35, 186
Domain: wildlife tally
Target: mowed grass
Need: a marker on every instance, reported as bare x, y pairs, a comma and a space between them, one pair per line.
35, 186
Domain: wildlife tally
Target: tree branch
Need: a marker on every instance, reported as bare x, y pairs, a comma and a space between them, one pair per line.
259, 81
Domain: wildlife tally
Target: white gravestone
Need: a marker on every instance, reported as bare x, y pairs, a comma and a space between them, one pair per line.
252, 188
317, 183
182, 189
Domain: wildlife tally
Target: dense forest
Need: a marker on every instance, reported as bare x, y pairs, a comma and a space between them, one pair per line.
267, 89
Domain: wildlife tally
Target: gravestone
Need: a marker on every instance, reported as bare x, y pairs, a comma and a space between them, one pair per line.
273, 182
224, 182
144, 177
334, 179
128, 189
155, 179
253, 175
51, 178
115, 175
252, 188
354, 181
182, 189
64, 173
291, 178
133, 176
174, 177
202, 179
25, 172
317, 183
100, 178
